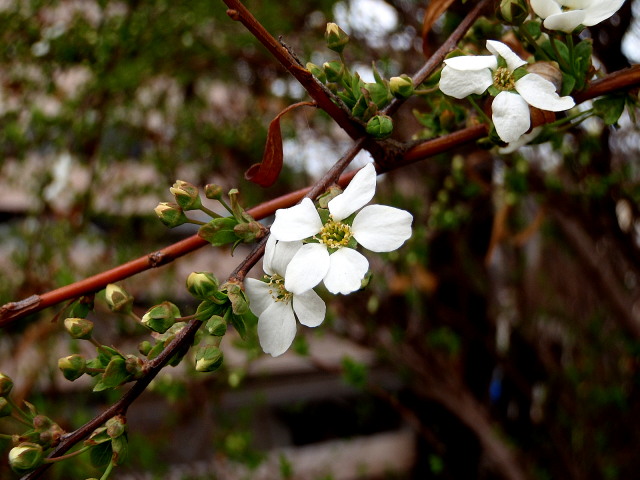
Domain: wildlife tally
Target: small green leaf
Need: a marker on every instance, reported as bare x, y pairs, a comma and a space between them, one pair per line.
120, 449
115, 374
568, 84
101, 454
610, 108
219, 231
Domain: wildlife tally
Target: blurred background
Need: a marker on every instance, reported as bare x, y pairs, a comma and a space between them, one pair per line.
502, 341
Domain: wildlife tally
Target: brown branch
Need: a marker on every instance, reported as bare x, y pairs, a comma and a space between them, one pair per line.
621, 80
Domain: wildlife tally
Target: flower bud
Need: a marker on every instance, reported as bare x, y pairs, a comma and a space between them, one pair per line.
116, 426
208, 358
79, 328
49, 431
25, 457
73, 366
239, 304
335, 37
145, 347
118, 299
216, 326
186, 194
6, 384
250, 231
334, 71
161, 317
135, 366
402, 86
202, 285
513, 12
5, 407
380, 126
171, 214
316, 71
213, 191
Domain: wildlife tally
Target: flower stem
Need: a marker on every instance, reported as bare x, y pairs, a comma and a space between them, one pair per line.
561, 61
225, 205
135, 317
107, 472
531, 41
68, 455
21, 415
195, 222
479, 110
209, 212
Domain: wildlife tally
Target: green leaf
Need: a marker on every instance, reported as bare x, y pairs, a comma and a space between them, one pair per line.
354, 373
610, 108
219, 231
101, 454
380, 94
568, 84
120, 449
115, 374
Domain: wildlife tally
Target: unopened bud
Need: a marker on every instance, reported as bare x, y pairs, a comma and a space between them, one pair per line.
5, 407
250, 231
135, 366
513, 12
202, 285
145, 347
380, 126
334, 71
316, 71
72, 367
6, 384
186, 195
171, 214
79, 328
118, 299
25, 457
213, 191
116, 426
216, 326
239, 304
335, 37
402, 86
208, 358
49, 431
161, 317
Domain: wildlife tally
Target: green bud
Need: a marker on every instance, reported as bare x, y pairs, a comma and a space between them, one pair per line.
208, 358
118, 299
316, 71
250, 231
213, 191
145, 347
79, 328
239, 304
49, 431
202, 285
5, 407
6, 384
513, 12
116, 426
216, 326
171, 214
186, 194
25, 457
334, 71
72, 367
332, 192
161, 317
380, 126
135, 366
335, 37
402, 86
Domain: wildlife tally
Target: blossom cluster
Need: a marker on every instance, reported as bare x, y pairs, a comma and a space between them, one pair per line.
308, 246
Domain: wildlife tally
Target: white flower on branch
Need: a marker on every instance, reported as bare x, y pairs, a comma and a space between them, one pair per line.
276, 307
466, 75
330, 255
567, 15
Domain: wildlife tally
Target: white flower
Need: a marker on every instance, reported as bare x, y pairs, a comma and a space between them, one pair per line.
332, 258
276, 307
465, 75
567, 15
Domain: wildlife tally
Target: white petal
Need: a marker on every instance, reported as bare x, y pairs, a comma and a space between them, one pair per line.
461, 84
566, 21
259, 297
346, 272
499, 48
278, 254
357, 194
296, 223
472, 62
599, 11
522, 141
380, 228
277, 328
541, 93
545, 8
510, 115
307, 268
309, 308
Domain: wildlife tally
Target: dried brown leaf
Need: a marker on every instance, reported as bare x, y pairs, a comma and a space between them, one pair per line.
431, 14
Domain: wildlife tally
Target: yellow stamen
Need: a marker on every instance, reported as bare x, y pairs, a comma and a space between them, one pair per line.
503, 79
335, 234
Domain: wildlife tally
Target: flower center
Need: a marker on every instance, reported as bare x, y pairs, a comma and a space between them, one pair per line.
335, 234
503, 79
277, 290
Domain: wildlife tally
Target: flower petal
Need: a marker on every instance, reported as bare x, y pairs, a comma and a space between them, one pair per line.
472, 62
599, 11
522, 141
566, 21
545, 8
357, 194
462, 83
381, 228
277, 328
307, 268
277, 255
510, 115
309, 308
501, 49
541, 93
346, 272
297, 222
259, 297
